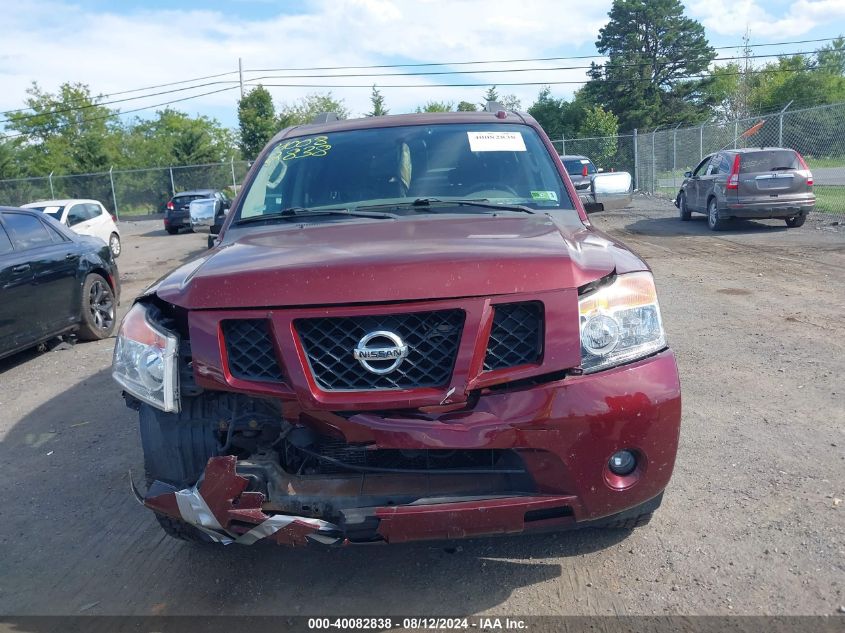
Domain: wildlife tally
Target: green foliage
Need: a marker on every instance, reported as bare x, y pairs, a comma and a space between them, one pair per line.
651, 48
600, 123
65, 131
9, 167
174, 138
256, 121
437, 106
466, 106
377, 99
831, 57
490, 95
305, 109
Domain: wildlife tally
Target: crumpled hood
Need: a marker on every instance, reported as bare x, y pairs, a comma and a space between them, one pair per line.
432, 257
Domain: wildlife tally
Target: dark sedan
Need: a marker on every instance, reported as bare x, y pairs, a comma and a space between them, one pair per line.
52, 281
177, 214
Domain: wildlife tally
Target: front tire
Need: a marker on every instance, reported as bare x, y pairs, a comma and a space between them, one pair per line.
797, 221
176, 449
114, 245
97, 310
683, 210
713, 220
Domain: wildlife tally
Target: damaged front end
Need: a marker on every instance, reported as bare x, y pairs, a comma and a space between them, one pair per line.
295, 484
265, 425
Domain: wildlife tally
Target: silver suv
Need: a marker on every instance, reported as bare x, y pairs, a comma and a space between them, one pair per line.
768, 182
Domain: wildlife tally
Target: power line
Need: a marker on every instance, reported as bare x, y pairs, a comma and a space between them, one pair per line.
412, 74
518, 83
105, 103
500, 70
154, 87
503, 61
117, 114
376, 75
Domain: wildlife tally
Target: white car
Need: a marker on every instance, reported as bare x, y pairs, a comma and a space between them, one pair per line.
86, 217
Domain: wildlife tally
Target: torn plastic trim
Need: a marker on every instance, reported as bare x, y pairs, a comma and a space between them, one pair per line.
195, 510
220, 499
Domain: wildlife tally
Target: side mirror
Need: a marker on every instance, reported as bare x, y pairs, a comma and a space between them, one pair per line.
611, 190
214, 229
687, 174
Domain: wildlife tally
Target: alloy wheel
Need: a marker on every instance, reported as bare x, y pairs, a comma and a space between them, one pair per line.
101, 305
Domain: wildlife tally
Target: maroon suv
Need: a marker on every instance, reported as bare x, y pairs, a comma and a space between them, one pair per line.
407, 330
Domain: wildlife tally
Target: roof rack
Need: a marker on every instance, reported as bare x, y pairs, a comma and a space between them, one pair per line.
325, 117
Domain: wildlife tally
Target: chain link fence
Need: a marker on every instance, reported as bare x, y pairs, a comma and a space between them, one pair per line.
131, 192
657, 159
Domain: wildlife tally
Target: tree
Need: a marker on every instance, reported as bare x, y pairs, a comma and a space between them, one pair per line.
602, 126
511, 102
256, 121
831, 57
558, 117
66, 132
437, 106
377, 99
174, 138
9, 167
652, 50
466, 106
305, 109
490, 95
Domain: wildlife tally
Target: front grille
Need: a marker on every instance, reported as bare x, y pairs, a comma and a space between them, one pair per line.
336, 456
517, 335
432, 339
250, 349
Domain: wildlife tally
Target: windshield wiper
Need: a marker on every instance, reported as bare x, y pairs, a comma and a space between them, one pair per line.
299, 212
427, 203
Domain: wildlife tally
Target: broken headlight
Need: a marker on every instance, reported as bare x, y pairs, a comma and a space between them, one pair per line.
620, 322
145, 360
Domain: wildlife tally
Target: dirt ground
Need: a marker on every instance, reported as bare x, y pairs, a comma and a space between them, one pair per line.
752, 522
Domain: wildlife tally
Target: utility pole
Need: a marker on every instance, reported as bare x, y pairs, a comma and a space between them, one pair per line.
241, 75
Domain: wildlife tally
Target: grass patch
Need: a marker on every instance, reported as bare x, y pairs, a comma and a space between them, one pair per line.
824, 162
830, 199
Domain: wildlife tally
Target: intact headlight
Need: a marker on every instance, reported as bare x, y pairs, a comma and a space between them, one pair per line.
620, 322
145, 361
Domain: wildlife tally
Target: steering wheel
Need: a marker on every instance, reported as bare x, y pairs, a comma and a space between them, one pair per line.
492, 186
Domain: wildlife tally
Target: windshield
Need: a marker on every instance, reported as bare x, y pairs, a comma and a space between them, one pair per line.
504, 164
575, 166
53, 211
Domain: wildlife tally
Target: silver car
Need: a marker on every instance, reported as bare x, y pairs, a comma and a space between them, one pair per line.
768, 182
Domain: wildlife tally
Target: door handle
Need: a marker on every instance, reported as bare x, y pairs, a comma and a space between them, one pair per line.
71, 256
22, 268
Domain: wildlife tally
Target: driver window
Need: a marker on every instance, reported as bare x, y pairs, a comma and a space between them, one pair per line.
76, 215
699, 171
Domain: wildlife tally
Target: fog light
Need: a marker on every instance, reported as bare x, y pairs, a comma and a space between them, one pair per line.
622, 463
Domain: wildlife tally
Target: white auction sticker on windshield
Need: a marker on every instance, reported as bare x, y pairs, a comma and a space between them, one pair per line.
496, 142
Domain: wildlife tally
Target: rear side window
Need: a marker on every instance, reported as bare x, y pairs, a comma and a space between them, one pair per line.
93, 210
27, 231
725, 165
5, 242
768, 160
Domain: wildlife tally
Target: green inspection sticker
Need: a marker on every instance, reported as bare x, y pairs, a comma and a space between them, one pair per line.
544, 195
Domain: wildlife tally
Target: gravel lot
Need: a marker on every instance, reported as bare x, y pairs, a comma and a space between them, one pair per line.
752, 522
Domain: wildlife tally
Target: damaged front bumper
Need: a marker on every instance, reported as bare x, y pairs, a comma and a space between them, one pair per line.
554, 439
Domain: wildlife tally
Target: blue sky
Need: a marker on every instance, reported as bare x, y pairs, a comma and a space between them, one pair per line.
121, 46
